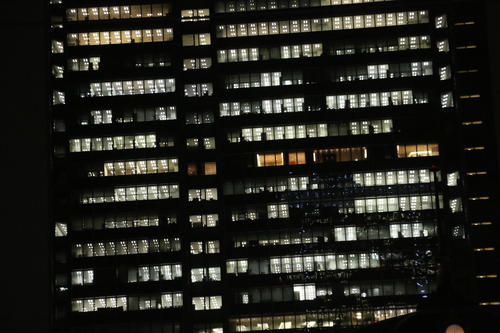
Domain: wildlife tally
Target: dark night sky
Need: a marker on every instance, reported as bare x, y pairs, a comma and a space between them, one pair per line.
24, 249
25, 231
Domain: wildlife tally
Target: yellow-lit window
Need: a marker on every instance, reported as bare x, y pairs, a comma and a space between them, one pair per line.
270, 159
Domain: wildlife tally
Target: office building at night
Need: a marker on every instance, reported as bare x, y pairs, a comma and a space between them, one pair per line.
249, 165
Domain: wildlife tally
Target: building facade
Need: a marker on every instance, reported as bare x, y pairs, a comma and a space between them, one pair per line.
229, 166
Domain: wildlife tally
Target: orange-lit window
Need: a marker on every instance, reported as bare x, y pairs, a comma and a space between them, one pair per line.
476, 173
418, 150
296, 158
270, 159
210, 168
192, 170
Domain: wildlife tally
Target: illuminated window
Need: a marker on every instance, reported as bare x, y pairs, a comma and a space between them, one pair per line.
476, 122
479, 198
207, 303
197, 63
198, 90
275, 211
270, 159
192, 143
57, 46
61, 229
113, 143
58, 97
476, 173
443, 45
210, 168
204, 274
447, 100
82, 277
120, 37
133, 167
456, 205
205, 247
136, 87
445, 73
452, 179
296, 158
117, 12
125, 247
208, 220
209, 143
492, 276
192, 15
196, 39
202, 194
441, 22
481, 223
479, 249
418, 150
